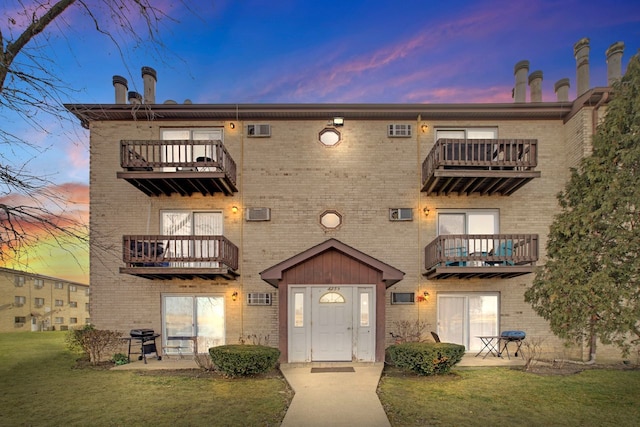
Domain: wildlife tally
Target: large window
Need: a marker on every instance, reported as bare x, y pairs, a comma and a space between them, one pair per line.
462, 318
176, 153
469, 133
193, 322
185, 223
483, 222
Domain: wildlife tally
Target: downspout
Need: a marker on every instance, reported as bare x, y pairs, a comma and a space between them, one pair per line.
419, 169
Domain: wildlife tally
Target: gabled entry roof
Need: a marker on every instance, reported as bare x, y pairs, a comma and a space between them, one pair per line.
390, 275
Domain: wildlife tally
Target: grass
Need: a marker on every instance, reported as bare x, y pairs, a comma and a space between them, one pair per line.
505, 397
40, 386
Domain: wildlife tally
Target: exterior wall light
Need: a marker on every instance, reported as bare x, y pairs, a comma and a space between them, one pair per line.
232, 125
234, 296
424, 128
234, 209
338, 121
426, 211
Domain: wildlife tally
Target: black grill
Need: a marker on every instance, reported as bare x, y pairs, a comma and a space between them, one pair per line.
147, 340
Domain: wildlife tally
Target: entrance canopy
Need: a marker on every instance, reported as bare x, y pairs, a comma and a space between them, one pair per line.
390, 275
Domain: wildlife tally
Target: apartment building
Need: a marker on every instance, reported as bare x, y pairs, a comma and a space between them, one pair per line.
317, 228
33, 302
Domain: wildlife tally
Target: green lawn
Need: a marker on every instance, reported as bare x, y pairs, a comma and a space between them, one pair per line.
39, 386
506, 397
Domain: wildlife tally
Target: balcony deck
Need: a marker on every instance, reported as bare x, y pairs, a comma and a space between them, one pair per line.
179, 257
484, 256
180, 167
482, 166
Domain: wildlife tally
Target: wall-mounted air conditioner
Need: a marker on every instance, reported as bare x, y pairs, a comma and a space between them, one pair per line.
258, 131
258, 214
400, 214
399, 131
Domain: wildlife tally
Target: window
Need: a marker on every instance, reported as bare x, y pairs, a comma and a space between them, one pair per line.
87, 291
73, 288
298, 306
332, 298
87, 321
463, 317
19, 281
20, 320
86, 306
19, 301
59, 303
364, 309
58, 320
401, 214
181, 152
39, 302
73, 304
59, 285
329, 137
185, 223
403, 297
73, 320
477, 222
258, 298
331, 219
38, 283
469, 133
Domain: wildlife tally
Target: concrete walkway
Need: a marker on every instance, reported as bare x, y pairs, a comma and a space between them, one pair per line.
334, 394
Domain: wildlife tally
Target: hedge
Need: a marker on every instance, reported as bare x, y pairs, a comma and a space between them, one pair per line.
425, 358
242, 360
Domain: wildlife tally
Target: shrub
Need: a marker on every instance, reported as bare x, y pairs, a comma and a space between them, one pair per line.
120, 359
425, 358
242, 360
93, 342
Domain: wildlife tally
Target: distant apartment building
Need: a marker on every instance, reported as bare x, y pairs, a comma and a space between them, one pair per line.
318, 228
33, 302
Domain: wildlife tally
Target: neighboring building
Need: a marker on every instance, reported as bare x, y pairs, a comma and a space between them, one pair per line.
33, 302
318, 227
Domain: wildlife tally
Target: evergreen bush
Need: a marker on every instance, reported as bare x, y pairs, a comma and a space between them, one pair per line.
242, 360
425, 358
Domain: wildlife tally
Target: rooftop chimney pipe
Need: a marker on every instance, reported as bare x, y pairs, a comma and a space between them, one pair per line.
135, 98
614, 62
120, 85
149, 78
535, 85
520, 92
581, 53
562, 90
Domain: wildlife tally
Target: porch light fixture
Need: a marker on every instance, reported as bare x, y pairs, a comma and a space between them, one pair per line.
426, 294
234, 209
232, 125
426, 211
338, 121
234, 296
424, 128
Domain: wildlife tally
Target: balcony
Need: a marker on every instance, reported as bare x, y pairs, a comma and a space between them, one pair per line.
180, 167
481, 166
485, 256
179, 257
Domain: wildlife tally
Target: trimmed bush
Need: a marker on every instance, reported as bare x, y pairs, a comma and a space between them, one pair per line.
240, 360
425, 358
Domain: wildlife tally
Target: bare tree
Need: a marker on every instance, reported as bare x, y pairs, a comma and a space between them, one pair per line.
29, 205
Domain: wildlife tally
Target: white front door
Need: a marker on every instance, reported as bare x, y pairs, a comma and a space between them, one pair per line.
332, 323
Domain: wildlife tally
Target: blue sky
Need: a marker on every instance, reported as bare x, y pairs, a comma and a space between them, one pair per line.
288, 51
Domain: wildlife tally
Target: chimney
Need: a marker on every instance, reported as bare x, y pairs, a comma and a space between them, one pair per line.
614, 62
149, 79
581, 52
535, 86
562, 90
135, 98
120, 85
520, 92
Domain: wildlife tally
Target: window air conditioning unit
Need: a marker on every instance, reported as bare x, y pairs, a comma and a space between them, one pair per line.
399, 131
258, 214
401, 214
258, 131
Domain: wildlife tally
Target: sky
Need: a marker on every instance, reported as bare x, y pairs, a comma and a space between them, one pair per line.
293, 51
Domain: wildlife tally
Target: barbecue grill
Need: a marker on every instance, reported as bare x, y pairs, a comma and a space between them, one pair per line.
147, 340
512, 336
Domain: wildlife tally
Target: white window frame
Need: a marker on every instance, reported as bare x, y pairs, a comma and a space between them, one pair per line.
467, 133
469, 338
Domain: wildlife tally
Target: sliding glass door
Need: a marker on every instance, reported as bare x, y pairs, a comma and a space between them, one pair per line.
463, 317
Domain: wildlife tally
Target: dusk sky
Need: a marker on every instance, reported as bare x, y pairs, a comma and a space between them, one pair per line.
287, 51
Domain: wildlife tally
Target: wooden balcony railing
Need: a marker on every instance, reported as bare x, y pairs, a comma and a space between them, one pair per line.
488, 255
485, 166
194, 165
179, 255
